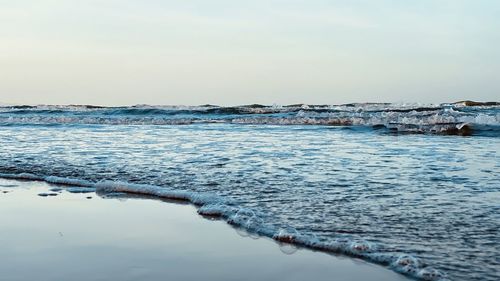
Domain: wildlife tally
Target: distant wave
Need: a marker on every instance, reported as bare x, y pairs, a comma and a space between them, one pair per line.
463, 118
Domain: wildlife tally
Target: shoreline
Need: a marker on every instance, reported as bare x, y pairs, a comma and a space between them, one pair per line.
93, 235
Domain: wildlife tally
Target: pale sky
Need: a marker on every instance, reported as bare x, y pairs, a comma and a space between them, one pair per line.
121, 52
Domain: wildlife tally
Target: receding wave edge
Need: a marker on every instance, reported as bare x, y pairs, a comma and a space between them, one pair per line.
211, 205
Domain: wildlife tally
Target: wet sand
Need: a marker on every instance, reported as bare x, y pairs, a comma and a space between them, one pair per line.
71, 237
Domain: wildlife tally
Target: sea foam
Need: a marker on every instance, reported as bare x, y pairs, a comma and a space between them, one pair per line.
215, 206
451, 119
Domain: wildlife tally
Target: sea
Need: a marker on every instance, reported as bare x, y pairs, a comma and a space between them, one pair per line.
412, 187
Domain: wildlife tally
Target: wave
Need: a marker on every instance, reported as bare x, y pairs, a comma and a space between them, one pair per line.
246, 109
464, 118
210, 205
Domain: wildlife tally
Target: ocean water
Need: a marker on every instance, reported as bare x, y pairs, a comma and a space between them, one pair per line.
415, 188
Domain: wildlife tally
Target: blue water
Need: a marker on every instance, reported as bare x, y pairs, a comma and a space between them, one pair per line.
414, 188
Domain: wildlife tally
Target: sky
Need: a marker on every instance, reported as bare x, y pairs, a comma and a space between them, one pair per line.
228, 52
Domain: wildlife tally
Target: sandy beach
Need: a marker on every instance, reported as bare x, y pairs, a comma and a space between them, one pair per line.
86, 237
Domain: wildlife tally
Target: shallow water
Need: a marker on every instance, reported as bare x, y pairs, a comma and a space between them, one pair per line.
71, 237
353, 190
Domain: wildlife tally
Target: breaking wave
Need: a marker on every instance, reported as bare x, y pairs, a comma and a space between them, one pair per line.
464, 118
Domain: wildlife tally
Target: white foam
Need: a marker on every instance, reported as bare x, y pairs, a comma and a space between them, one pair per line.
22, 176
161, 192
217, 210
80, 189
212, 205
67, 181
74, 185
431, 274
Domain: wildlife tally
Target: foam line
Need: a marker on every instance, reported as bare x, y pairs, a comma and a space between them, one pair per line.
215, 206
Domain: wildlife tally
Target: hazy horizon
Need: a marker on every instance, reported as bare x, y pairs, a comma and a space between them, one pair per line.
261, 52
231, 105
